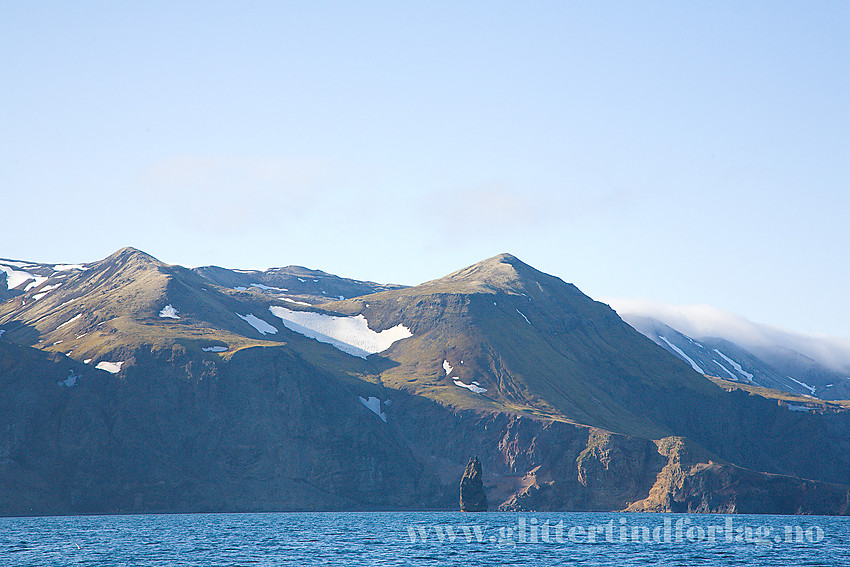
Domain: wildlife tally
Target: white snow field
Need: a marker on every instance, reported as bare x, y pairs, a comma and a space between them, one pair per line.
15, 278
169, 312
268, 287
351, 335
262, 327
474, 387
806, 386
726, 370
736, 366
693, 364
112, 367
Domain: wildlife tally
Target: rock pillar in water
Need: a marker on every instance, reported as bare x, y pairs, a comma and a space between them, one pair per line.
472, 497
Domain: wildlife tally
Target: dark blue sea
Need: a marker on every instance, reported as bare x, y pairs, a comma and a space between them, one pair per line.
425, 538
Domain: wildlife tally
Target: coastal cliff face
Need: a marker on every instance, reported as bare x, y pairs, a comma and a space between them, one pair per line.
688, 483
263, 432
110, 403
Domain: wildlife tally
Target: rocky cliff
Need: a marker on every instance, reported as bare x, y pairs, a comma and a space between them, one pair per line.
472, 495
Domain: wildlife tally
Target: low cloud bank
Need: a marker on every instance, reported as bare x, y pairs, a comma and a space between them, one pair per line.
702, 321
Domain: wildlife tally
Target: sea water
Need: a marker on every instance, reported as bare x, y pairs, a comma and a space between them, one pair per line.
425, 538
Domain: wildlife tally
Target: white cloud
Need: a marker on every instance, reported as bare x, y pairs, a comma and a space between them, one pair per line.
699, 321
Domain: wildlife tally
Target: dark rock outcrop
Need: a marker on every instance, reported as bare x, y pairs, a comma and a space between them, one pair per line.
472, 496
693, 482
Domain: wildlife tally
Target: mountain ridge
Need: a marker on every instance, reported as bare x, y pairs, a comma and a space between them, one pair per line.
775, 367
198, 370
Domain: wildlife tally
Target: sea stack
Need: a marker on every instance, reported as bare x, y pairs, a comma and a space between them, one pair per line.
472, 497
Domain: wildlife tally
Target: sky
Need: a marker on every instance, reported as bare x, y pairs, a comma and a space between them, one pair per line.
676, 152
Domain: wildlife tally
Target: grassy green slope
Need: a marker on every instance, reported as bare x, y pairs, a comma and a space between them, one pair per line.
537, 344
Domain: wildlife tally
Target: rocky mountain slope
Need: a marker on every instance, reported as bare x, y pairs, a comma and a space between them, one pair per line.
768, 366
130, 385
292, 283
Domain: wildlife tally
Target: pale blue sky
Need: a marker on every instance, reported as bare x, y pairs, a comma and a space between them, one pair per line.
682, 152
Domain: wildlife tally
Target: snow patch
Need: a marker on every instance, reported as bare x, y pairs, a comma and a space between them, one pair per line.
262, 327
374, 405
706, 321
169, 312
214, 349
351, 335
16, 264
69, 381
240, 288
296, 302
15, 278
726, 370
736, 366
69, 321
693, 364
86, 361
4, 330
67, 267
38, 281
806, 386
301, 280
44, 291
447, 367
268, 287
523, 316
111, 367
471, 387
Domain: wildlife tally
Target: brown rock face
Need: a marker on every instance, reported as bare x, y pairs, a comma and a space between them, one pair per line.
472, 496
692, 482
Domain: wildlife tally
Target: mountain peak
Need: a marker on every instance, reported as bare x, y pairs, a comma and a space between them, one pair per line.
503, 272
130, 255
504, 257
